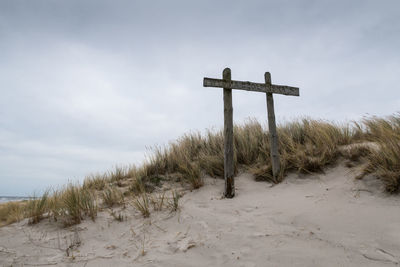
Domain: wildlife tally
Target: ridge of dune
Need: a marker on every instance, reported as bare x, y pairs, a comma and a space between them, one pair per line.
327, 219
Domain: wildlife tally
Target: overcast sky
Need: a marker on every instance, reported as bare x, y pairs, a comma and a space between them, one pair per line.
86, 85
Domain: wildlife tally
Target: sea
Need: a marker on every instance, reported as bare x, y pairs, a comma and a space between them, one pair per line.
4, 199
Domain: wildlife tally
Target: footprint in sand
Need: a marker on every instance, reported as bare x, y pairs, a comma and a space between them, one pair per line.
249, 209
380, 255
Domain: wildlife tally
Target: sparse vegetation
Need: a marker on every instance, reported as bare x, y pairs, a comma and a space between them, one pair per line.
118, 217
384, 161
55, 205
72, 207
174, 202
88, 203
158, 202
36, 207
191, 172
112, 196
141, 203
11, 212
305, 146
96, 182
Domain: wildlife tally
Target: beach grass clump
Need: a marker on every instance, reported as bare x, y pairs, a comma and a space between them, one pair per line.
356, 152
95, 181
187, 156
11, 212
263, 172
158, 201
112, 196
212, 165
36, 208
137, 186
117, 216
55, 205
72, 208
142, 204
305, 146
384, 161
77, 202
118, 174
249, 139
174, 201
191, 172
70, 205
145, 183
89, 203
211, 157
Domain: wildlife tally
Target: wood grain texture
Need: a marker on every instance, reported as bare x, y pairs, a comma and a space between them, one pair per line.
228, 138
228, 84
250, 86
275, 161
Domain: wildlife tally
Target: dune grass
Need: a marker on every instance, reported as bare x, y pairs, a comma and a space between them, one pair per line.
11, 212
384, 161
36, 208
142, 204
69, 205
305, 146
174, 202
95, 181
112, 196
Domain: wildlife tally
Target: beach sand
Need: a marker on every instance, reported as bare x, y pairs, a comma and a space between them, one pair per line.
328, 219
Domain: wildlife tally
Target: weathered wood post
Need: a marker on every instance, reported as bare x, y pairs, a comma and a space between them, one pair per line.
273, 136
228, 137
228, 84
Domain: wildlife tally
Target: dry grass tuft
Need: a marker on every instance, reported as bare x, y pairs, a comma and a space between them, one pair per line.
118, 217
158, 202
11, 212
305, 146
263, 172
96, 182
75, 203
72, 207
142, 204
384, 162
36, 208
112, 196
89, 203
174, 202
55, 205
191, 172
356, 152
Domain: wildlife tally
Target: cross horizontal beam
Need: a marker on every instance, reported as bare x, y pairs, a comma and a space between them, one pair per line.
250, 86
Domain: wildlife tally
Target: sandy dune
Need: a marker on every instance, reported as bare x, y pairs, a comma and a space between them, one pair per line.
319, 220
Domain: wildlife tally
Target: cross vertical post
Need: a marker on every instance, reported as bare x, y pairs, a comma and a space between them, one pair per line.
267, 87
228, 138
273, 136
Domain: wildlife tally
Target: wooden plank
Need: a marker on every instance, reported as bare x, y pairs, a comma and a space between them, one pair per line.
228, 138
274, 152
250, 86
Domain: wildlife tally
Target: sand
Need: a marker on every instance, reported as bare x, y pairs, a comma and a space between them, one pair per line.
328, 219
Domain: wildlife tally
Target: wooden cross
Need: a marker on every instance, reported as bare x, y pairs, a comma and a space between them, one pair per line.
228, 84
